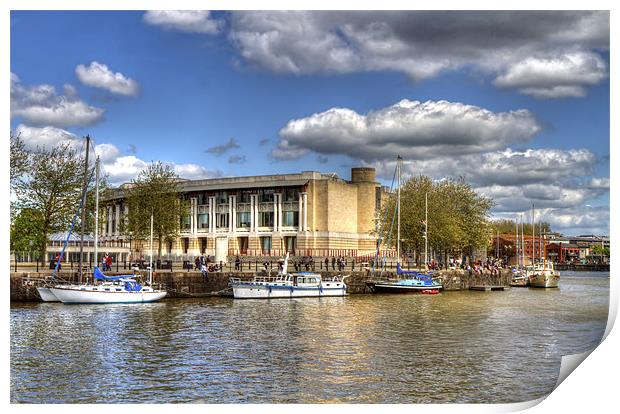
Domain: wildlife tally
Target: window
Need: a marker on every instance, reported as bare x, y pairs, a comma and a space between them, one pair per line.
290, 218
222, 197
243, 245
185, 223
185, 245
222, 220
290, 194
291, 243
243, 219
203, 221
265, 219
244, 196
265, 243
266, 196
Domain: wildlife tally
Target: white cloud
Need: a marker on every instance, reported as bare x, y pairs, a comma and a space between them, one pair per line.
191, 21
107, 152
40, 105
45, 137
99, 75
413, 129
555, 77
511, 45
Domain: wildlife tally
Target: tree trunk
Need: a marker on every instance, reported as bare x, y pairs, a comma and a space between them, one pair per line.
159, 239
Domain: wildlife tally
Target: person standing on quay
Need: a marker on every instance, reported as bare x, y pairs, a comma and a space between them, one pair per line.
108, 262
326, 263
333, 263
237, 263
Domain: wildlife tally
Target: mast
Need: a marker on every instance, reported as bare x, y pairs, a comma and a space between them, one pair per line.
96, 209
151, 254
522, 241
398, 160
517, 242
533, 236
83, 218
426, 230
540, 237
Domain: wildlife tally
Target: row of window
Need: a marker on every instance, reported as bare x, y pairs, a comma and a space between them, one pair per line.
243, 196
290, 244
265, 219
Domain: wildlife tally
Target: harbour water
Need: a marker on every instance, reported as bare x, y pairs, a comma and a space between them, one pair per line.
475, 347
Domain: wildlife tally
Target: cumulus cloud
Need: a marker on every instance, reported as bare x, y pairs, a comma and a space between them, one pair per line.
98, 75
516, 46
190, 21
221, 149
45, 137
40, 105
579, 220
413, 129
555, 77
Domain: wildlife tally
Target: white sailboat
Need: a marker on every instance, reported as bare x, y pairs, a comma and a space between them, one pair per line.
114, 289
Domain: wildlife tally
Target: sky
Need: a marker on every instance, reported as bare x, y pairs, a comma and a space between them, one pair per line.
517, 103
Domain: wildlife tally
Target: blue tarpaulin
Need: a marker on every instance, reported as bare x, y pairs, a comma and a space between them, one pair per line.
100, 276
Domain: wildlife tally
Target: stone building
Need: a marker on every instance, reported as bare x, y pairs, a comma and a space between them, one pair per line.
306, 214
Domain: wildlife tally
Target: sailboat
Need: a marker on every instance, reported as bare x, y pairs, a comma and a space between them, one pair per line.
541, 274
113, 289
44, 289
407, 281
519, 276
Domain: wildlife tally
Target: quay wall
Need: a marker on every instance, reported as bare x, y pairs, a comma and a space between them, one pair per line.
181, 284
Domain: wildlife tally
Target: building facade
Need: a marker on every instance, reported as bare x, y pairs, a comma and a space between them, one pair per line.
305, 214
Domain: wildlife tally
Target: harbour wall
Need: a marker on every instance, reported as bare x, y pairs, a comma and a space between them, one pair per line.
180, 284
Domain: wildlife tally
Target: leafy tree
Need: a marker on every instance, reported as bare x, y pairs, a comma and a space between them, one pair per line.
155, 191
505, 226
457, 216
52, 188
26, 232
19, 159
600, 250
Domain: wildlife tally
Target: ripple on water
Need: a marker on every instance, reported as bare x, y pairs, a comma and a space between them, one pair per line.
453, 347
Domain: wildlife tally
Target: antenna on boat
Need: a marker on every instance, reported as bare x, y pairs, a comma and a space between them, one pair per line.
83, 218
398, 162
151, 254
533, 236
96, 209
426, 230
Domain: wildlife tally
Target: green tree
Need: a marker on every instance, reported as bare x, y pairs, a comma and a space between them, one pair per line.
505, 226
26, 232
155, 191
457, 216
19, 159
52, 188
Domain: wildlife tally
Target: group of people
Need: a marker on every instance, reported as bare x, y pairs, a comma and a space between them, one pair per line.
106, 263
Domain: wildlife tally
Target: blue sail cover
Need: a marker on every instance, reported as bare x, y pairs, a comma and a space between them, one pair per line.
400, 271
100, 276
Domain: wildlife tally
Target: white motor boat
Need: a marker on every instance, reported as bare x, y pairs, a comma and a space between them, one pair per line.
543, 275
299, 285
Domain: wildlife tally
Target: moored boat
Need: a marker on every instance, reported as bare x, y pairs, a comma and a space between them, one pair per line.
543, 275
413, 282
285, 285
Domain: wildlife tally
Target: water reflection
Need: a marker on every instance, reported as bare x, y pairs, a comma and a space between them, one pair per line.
453, 347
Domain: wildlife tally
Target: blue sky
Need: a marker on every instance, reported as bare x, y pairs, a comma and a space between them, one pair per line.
518, 104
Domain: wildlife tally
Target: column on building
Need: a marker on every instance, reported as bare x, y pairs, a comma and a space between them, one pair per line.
233, 218
275, 212
252, 216
279, 212
117, 222
212, 214
193, 220
103, 227
231, 200
300, 223
109, 220
305, 204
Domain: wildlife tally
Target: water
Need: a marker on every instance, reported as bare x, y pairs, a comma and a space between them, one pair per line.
455, 347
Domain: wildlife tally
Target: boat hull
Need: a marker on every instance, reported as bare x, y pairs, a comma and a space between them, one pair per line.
47, 295
379, 287
78, 296
544, 281
285, 292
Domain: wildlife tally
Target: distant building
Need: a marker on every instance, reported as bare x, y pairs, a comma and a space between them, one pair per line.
305, 214
117, 249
